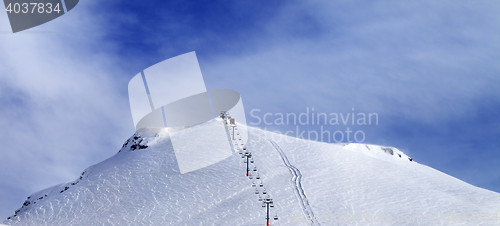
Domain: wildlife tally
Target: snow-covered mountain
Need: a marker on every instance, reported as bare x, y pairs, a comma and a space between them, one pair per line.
311, 183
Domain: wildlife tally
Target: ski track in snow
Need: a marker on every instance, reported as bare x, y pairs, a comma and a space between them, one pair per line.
297, 185
144, 187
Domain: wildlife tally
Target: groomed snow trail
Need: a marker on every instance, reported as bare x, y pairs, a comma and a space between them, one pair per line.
297, 185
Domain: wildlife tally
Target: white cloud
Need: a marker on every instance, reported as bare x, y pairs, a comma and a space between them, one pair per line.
426, 61
62, 107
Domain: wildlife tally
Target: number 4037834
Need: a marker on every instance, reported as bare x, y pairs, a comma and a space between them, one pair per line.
33, 8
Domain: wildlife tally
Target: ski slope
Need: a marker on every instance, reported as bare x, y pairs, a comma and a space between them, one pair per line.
297, 184
311, 183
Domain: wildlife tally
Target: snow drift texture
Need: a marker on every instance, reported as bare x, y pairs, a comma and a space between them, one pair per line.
340, 184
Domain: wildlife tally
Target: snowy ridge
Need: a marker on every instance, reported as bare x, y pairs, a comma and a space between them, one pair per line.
131, 144
143, 186
389, 154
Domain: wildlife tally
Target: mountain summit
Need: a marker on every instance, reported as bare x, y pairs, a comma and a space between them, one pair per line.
310, 183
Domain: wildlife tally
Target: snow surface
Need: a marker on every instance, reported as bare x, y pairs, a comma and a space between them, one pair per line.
340, 184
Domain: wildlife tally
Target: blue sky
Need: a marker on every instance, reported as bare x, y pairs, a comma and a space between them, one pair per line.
428, 69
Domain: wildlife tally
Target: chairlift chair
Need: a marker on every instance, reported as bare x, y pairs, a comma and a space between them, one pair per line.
256, 191
264, 192
261, 185
276, 217
258, 177
255, 168
253, 184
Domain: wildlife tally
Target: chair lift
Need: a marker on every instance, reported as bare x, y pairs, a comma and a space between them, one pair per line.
255, 168
258, 176
264, 192
251, 160
256, 191
250, 177
276, 217
260, 198
261, 185
263, 204
271, 205
253, 184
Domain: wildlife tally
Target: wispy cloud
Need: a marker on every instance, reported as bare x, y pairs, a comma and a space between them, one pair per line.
425, 65
62, 110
